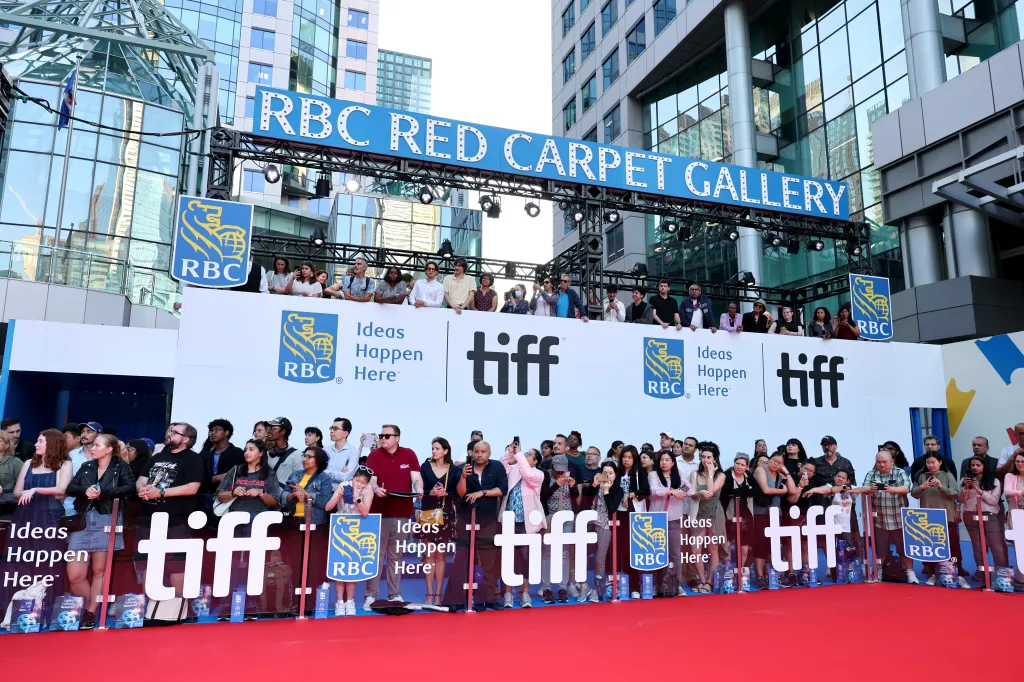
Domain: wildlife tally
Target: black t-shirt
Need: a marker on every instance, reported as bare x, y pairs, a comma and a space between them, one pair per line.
664, 308
169, 470
587, 496
805, 503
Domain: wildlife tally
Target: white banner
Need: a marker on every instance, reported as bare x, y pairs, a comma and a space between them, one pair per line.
250, 357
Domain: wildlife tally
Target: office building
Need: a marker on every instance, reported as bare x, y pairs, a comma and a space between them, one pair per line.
403, 81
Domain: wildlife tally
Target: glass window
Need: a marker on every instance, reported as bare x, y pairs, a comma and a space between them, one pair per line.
260, 73
568, 18
891, 22
615, 242
864, 35
250, 107
588, 42
158, 159
32, 112
78, 201
153, 217
252, 181
591, 135
357, 19
267, 8
664, 13
569, 65
355, 80
33, 138
260, 39
636, 41
569, 115
609, 15
355, 49
835, 63
584, 4
24, 191
612, 124
610, 68
590, 92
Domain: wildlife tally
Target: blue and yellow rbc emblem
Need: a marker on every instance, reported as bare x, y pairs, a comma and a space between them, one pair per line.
925, 534
870, 306
212, 242
307, 353
354, 551
648, 540
663, 368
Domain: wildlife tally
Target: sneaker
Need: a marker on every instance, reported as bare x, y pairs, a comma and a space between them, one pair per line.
682, 592
964, 584
931, 580
582, 593
350, 607
510, 601
592, 597
573, 590
634, 595
494, 606
912, 578
526, 601
339, 607
792, 580
762, 582
978, 575
562, 595
369, 600
397, 597
547, 597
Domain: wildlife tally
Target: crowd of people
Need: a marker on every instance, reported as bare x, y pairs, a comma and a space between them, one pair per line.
551, 297
71, 478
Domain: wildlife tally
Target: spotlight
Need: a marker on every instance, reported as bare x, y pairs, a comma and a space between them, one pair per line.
772, 239
426, 195
685, 233
490, 205
318, 238
578, 215
611, 216
510, 270
639, 270
352, 185
732, 234
745, 278
793, 246
446, 251
532, 209
271, 173
323, 185
853, 249
670, 226
816, 245
563, 204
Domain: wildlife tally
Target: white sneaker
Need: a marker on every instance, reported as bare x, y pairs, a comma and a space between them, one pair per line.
369, 600
350, 607
682, 592
964, 584
397, 597
339, 607
526, 600
573, 592
593, 597
510, 601
912, 578
581, 593
634, 595
931, 580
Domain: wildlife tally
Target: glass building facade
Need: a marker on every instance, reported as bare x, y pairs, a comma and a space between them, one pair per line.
403, 81
314, 54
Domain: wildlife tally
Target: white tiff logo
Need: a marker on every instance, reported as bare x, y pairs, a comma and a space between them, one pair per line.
830, 530
556, 538
224, 546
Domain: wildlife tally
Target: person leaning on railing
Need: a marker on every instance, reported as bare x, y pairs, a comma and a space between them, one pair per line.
936, 488
979, 493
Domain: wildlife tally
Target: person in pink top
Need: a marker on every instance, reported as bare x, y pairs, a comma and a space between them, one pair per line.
980, 491
731, 321
524, 485
1013, 482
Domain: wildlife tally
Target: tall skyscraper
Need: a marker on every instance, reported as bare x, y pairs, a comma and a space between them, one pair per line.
403, 81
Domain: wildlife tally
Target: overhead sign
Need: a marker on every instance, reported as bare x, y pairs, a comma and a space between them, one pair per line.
212, 242
925, 534
360, 127
871, 307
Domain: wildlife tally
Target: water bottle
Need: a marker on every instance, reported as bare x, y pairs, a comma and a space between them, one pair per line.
856, 572
728, 582
608, 589
746, 578
647, 586
812, 578
805, 577
773, 578
623, 586
947, 575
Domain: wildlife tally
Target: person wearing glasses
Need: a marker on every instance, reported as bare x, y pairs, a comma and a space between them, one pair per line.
427, 293
569, 301
396, 480
544, 298
757, 320
343, 455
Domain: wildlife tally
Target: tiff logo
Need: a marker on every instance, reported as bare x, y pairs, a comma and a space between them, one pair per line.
522, 358
817, 376
224, 546
556, 537
830, 530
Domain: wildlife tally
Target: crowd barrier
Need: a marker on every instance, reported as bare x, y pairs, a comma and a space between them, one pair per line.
159, 568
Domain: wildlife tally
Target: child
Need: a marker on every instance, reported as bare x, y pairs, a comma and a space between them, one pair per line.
354, 498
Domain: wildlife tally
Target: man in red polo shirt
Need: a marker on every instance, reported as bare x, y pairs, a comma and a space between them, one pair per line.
395, 470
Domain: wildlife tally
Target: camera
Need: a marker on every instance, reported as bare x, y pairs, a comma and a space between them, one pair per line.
879, 487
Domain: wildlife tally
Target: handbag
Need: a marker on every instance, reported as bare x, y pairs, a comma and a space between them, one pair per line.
221, 508
435, 516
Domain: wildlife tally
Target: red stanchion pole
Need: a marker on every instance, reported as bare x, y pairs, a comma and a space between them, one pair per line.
472, 561
114, 529
614, 523
872, 552
984, 545
739, 550
305, 559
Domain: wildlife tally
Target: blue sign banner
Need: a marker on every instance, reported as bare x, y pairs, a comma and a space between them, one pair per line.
663, 368
353, 554
871, 306
285, 115
925, 534
307, 351
648, 540
212, 242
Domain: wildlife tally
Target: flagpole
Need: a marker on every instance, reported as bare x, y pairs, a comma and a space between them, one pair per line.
67, 162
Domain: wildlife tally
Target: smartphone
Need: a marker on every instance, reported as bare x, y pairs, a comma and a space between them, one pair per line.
367, 439
515, 441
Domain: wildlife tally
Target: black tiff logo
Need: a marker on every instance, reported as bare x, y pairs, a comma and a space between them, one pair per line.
522, 358
817, 376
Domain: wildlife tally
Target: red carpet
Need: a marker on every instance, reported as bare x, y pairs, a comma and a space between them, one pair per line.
856, 632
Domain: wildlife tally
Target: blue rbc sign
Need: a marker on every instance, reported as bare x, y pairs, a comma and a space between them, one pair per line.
353, 554
925, 534
648, 540
307, 352
212, 242
663, 368
872, 312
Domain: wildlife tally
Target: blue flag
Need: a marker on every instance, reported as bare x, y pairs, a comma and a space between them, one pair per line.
67, 100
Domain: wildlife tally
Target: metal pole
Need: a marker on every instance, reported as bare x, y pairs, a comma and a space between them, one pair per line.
739, 551
305, 560
984, 545
212, 117
472, 559
115, 528
195, 147
67, 158
872, 552
614, 525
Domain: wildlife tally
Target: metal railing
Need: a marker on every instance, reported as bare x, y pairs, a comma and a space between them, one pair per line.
66, 267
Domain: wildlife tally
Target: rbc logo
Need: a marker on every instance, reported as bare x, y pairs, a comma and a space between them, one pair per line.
212, 241
924, 534
870, 307
307, 347
354, 552
648, 540
663, 368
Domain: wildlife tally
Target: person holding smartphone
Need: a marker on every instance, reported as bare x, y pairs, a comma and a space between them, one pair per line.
888, 487
606, 500
936, 488
668, 492
980, 492
525, 484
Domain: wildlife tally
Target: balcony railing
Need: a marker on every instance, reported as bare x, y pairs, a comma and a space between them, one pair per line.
67, 267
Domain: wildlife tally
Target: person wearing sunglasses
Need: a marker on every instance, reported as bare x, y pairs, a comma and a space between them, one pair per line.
396, 475
304, 500
427, 293
569, 301
544, 298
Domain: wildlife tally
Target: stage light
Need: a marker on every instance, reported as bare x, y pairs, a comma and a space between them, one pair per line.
563, 204
853, 249
611, 216
639, 270
745, 278
426, 195
793, 246
578, 215
352, 185
772, 239
323, 185
490, 205
510, 270
816, 245
685, 233
732, 234
532, 209
670, 226
318, 238
446, 251
271, 174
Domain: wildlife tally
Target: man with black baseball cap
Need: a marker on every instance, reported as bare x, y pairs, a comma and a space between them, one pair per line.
283, 459
831, 461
